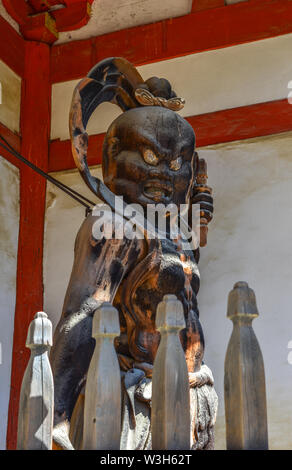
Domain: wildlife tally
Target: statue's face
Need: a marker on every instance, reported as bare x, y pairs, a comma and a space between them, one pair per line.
148, 156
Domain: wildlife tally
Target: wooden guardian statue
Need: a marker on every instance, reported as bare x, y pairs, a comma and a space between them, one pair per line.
148, 158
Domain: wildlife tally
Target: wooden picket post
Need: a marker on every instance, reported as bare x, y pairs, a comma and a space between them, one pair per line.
35, 418
244, 379
170, 420
102, 407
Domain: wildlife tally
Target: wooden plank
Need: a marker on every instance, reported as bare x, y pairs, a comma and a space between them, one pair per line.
102, 407
170, 416
12, 48
35, 420
244, 378
244, 122
35, 127
228, 26
60, 153
197, 32
251, 121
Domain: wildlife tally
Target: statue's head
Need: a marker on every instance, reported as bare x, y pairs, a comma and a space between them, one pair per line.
148, 156
149, 150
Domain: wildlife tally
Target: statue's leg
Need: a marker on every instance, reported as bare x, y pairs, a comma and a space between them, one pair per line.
136, 422
70, 358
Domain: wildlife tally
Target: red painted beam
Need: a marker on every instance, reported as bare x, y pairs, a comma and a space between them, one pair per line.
76, 15
11, 47
39, 22
41, 5
241, 123
197, 32
35, 128
60, 155
199, 5
18, 10
212, 128
14, 140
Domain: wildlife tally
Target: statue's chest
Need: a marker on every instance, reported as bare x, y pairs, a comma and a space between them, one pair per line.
167, 269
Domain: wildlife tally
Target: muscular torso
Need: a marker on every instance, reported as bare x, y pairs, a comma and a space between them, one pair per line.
165, 270
134, 275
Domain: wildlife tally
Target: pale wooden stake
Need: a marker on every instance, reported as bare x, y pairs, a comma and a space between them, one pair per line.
35, 418
244, 381
170, 420
102, 408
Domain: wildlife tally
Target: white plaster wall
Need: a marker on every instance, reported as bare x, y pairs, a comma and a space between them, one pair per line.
9, 216
210, 81
10, 96
249, 239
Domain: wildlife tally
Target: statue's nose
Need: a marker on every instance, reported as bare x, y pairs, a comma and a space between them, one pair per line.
161, 172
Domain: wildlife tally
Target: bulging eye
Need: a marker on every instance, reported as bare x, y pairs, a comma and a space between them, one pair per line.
175, 164
150, 157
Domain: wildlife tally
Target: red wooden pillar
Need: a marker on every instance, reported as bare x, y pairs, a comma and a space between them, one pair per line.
35, 128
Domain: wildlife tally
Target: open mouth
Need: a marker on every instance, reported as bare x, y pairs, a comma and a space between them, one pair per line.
157, 190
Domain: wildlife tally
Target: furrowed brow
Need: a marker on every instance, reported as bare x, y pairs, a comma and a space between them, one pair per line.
148, 141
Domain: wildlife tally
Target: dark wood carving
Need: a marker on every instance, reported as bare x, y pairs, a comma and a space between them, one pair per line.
148, 158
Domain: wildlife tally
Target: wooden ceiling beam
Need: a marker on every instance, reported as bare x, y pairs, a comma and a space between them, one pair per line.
40, 21
197, 32
14, 140
12, 47
199, 5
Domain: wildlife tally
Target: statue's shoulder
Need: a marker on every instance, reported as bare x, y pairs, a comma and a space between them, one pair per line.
96, 219
109, 227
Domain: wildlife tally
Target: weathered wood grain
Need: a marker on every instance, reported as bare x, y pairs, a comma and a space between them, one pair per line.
102, 408
35, 419
244, 381
170, 383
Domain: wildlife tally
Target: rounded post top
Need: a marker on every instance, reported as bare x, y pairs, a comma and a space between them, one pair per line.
106, 321
39, 331
41, 315
240, 284
242, 301
170, 314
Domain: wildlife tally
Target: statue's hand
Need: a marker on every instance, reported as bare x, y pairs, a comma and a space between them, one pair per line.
202, 194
